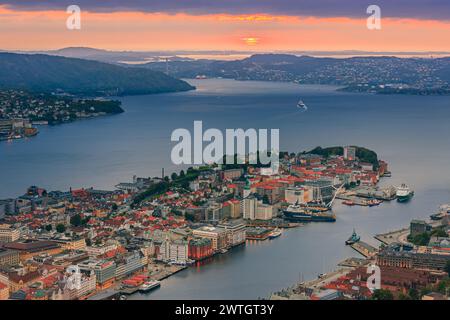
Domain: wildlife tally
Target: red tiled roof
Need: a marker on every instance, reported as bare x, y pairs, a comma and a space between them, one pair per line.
14, 277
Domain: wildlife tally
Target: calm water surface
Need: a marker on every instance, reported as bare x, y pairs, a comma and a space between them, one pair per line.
410, 132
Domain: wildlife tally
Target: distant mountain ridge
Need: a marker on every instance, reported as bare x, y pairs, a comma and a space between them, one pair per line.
118, 56
381, 74
45, 73
110, 56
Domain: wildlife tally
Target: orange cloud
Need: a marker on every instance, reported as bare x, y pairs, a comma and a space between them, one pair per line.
255, 18
32, 30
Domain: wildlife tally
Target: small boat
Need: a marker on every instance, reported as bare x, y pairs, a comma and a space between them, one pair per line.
223, 250
353, 238
374, 202
275, 233
348, 202
301, 105
436, 216
190, 262
444, 209
444, 212
321, 275
149, 285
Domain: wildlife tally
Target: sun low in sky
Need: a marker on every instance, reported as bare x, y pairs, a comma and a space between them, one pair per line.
219, 26
251, 41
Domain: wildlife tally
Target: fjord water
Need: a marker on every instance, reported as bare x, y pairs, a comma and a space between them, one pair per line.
410, 132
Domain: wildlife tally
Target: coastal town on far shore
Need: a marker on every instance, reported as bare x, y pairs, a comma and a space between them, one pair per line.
96, 244
21, 111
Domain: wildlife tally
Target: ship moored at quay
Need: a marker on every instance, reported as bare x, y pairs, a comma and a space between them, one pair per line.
404, 193
298, 213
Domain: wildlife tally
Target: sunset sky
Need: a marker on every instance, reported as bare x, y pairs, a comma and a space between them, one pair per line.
284, 25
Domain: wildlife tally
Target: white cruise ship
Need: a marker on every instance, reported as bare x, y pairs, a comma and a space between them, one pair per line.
404, 193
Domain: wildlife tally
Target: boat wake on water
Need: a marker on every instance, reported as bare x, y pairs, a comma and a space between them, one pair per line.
302, 106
